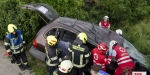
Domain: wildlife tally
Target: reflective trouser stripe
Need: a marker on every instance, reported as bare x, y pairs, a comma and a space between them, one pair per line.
48, 63
25, 63
125, 61
16, 52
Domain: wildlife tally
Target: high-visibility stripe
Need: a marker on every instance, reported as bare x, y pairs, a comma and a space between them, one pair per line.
69, 50
79, 66
6, 44
25, 63
81, 59
54, 58
24, 42
8, 50
122, 58
21, 36
16, 52
125, 61
16, 47
48, 63
72, 56
87, 55
12, 42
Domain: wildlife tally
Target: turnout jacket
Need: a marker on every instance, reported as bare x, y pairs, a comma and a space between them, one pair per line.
57, 53
14, 43
80, 54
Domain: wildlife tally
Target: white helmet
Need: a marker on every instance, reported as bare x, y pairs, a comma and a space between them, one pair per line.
112, 43
65, 66
105, 17
119, 31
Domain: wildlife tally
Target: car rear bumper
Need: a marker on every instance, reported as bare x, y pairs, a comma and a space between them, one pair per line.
37, 54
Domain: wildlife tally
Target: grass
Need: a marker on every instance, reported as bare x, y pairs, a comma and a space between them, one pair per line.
38, 66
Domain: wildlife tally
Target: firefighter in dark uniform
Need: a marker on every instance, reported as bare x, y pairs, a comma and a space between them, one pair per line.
15, 44
80, 54
56, 52
64, 68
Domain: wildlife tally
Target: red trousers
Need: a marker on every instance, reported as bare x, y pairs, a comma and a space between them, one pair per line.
123, 67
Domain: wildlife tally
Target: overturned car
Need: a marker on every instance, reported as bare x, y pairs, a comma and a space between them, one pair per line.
66, 29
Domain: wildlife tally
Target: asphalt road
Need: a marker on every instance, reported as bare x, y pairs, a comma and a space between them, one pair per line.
6, 68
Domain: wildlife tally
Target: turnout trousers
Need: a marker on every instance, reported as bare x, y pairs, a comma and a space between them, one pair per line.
51, 69
78, 71
21, 56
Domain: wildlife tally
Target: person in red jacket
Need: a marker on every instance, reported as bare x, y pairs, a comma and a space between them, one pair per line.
98, 55
123, 59
105, 23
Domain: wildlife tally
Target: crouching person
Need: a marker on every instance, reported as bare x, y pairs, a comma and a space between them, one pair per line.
14, 45
64, 68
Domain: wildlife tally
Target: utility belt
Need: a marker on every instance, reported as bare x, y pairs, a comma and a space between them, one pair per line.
16, 51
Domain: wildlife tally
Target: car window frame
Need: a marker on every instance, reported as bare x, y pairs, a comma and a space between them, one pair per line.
44, 35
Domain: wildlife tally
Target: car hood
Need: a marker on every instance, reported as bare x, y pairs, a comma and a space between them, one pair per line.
135, 54
44, 9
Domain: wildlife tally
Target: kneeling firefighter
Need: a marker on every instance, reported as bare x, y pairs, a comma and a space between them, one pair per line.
15, 44
80, 54
64, 68
55, 52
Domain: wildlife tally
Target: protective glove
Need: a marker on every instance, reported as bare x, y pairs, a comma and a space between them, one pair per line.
10, 53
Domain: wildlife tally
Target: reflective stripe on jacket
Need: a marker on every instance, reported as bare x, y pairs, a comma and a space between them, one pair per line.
52, 55
15, 42
79, 55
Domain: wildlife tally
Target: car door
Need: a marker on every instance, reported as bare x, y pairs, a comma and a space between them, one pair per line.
50, 13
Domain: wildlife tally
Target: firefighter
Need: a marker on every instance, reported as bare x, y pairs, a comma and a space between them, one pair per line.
105, 22
98, 55
64, 68
15, 45
56, 52
80, 54
123, 59
119, 32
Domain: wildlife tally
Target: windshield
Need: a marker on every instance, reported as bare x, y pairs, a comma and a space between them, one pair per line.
134, 53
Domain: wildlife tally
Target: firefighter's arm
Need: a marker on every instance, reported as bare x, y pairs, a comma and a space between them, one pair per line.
87, 53
53, 57
7, 46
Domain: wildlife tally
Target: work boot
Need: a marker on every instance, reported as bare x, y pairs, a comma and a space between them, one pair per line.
27, 67
21, 67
